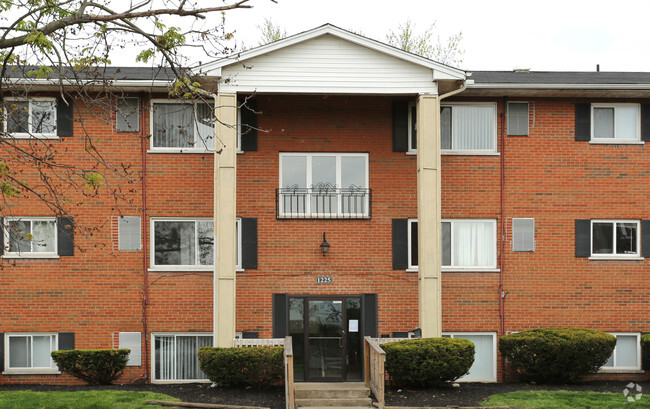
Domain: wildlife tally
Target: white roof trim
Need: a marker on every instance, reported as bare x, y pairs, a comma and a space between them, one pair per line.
68, 82
440, 71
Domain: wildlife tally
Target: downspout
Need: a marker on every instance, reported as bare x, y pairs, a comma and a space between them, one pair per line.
462, 88
502, 263
145, 297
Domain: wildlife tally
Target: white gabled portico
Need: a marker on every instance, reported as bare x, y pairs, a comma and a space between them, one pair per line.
329, 60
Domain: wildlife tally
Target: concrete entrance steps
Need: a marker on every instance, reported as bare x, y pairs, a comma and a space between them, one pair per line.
329, 395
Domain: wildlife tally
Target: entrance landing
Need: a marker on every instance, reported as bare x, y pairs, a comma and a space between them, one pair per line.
342, 395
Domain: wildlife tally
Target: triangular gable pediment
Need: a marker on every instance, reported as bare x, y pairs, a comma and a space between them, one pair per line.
329, 60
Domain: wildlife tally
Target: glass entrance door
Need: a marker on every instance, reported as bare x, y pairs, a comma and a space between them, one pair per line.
326, 338
326, 341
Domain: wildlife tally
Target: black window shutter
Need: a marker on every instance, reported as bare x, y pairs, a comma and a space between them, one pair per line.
583, 122
645, 238
2, 351
370, 316
248, 116
65, 235
400, 126
2, 243
645, 122
64, 115
583, 238
249, 242
66, 341
280, 315
400, 244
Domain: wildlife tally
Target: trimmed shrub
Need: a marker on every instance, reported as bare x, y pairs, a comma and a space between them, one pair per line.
645, 350
557, 355
93, 366
426, 362
260, 367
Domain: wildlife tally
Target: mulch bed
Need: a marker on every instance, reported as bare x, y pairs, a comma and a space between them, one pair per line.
466, 394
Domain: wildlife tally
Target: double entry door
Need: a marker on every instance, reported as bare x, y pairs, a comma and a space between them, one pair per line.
326, 333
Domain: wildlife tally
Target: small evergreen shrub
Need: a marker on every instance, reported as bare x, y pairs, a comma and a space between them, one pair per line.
93, 366
557, 355
428, 362
645, 350
260, 367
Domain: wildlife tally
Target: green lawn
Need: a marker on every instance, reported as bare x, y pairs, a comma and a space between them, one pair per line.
79, 400
565, 400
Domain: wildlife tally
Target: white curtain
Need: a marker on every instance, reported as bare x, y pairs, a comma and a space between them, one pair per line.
164, 357
173, 126
473, 244
626, 122
483, 367
43, 232
19, 352
473, 127
41, 351
626, 351
187, 363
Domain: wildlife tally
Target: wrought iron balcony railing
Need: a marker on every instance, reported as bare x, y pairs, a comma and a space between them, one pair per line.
323, 201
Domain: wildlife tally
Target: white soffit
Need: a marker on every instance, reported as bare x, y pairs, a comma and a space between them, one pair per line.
329, 60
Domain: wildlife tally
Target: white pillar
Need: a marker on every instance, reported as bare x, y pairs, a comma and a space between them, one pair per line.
429, 222
225, 191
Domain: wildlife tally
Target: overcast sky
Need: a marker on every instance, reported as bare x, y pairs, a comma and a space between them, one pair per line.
548, 35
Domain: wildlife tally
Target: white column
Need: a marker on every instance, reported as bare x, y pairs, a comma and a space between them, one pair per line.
225, 192
429, 205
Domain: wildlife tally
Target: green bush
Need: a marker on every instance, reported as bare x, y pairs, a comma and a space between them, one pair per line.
557, 355
645, 350
428, 362
259, 367
93, 366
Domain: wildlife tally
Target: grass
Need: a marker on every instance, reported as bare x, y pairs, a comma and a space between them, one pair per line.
79, 400
566, 400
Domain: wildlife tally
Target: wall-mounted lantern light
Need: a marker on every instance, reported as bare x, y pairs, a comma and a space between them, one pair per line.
324, 246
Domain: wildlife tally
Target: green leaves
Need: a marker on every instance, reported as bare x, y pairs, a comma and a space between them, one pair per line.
93, 366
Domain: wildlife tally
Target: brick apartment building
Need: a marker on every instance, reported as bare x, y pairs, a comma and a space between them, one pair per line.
462, 205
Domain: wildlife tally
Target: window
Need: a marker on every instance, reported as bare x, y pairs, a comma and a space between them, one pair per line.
175, 356
30, 352
31, 118
182, 127
615, 238
468, 128
518, 118
467, 244
484, 368
523, 234
324, 185
129, 233
626, 355
127, 115
615, 123
412, 128
187, 244
30, 237
132, 341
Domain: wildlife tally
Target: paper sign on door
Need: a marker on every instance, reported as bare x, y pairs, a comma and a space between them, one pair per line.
353, 326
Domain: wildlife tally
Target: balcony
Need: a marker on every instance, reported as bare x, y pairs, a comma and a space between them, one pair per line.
323, 201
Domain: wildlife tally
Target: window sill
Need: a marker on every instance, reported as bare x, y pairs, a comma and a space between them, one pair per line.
170, 381
31, 136
412, 153
177, 269
616, 370
459, 270
179, 150
616, 142
31, 256
469, 153
32, 372
616, 258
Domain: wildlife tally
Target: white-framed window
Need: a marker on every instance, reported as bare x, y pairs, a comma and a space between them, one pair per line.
324, 185
615, 239
182, 126
30, 118
518, 114
30, 237
467, 244
174, 356
127, 114
468, 128
627, 353
523, 234
615, 123
30, 352
484, 368
187, 244
412, 128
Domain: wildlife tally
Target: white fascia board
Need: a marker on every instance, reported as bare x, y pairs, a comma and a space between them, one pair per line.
227, 88
441, 71
559, 86
67, 82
